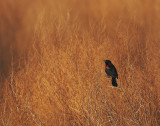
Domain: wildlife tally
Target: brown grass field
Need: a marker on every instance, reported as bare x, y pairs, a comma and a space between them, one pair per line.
52, 56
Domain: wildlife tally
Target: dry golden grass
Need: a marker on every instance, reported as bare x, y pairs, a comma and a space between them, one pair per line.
52, 62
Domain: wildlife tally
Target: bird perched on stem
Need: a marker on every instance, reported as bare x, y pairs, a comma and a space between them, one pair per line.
111, 71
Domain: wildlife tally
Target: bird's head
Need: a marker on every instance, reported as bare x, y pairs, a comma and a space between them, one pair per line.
108, 63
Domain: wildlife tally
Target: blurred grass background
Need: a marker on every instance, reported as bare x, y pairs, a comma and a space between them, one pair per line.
52, 68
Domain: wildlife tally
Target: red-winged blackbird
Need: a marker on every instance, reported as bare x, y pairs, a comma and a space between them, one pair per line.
111, 71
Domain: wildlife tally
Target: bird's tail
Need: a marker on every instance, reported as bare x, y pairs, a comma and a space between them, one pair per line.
114, 83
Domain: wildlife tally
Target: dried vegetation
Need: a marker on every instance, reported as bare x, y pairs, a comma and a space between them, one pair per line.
52, 68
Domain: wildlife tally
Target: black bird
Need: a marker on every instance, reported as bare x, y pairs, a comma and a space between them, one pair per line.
111, 71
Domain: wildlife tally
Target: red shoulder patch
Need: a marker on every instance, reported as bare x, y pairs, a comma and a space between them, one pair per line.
107, 67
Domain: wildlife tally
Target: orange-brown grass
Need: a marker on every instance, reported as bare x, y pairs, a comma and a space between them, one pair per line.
61, 80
